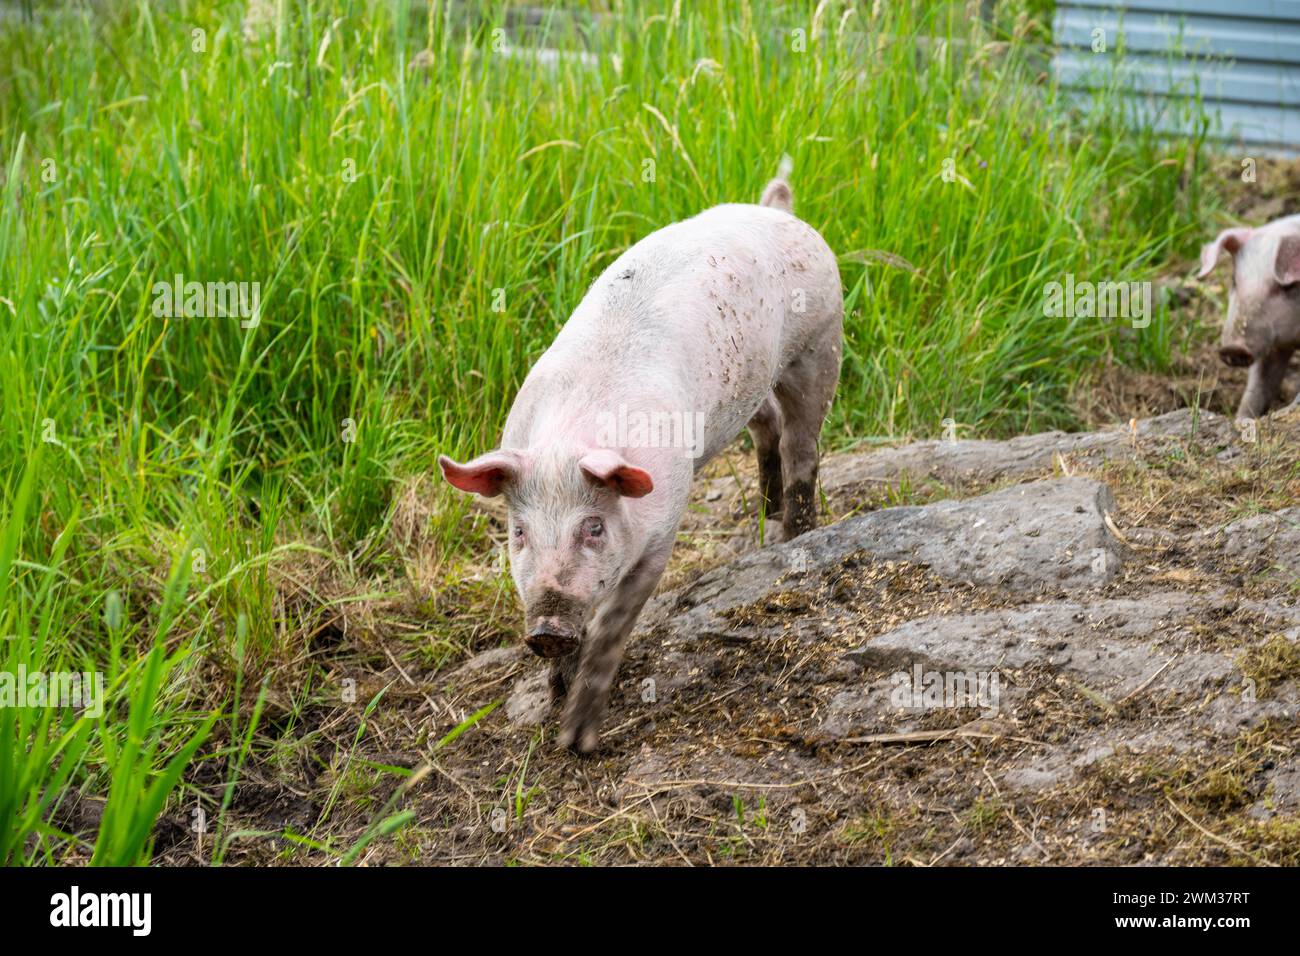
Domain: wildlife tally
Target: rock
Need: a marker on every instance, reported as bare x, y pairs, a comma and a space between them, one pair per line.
726, 516
1107, 649
954, 461
710, 772
1156, 539
1030, 853
1055, 765
1232, 711
1111, 646
1283, 792
497, 657
1037, 776
858, 711
1043, 534
529, 701
1265, 541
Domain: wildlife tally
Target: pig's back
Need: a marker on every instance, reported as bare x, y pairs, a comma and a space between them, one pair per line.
705, 311
749, 273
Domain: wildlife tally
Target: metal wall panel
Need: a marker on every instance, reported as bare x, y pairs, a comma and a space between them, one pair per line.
1241, 56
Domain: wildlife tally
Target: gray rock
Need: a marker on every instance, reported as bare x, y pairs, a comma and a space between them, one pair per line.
1156, 539
489, 660
1111, 646
1043, 534
859, 711
714, 772
530, 699
950, 461
1042, 774
1283, 792
1270, 540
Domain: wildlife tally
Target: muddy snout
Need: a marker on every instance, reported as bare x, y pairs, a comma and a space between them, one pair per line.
1238, 356
550, 639
554, 624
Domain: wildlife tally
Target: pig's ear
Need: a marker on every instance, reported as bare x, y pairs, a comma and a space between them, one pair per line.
1229, 241
608, 468
486, 475
1286, 265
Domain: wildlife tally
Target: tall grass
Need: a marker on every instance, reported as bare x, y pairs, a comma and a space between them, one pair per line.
422, 209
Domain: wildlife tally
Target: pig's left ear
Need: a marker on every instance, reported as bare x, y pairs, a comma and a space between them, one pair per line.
1229, 241
1286, 265
486, 475
608, 468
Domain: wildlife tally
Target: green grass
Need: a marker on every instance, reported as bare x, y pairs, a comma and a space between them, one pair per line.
422, 212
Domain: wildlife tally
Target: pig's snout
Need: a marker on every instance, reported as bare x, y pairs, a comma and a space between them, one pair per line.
554, 624
1237, 356
552, 639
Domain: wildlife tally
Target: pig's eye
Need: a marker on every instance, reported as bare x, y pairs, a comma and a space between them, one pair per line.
593, 527
518, 534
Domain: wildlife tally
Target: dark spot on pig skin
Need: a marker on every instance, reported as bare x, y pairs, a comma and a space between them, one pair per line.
626, 274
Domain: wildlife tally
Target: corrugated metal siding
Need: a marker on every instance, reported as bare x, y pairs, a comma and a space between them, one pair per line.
1243, 56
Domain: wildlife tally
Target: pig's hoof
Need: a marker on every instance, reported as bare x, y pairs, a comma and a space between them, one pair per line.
579, 742
582, 736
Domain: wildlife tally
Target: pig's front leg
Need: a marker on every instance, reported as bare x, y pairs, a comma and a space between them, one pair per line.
588, 692
563, 673
1263, 384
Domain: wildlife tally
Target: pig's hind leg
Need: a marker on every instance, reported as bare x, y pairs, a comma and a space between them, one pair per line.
765, 428
804, 392
602, 651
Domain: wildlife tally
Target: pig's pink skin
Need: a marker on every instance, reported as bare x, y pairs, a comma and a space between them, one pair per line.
734, 312
1263, 322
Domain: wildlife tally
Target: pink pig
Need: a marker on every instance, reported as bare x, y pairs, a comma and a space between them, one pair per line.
1263, 324
728, 319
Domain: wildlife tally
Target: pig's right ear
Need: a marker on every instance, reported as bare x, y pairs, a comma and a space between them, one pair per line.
1229, 241
486, 475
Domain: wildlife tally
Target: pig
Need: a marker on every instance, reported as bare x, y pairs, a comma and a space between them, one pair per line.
732, 318
1263, 324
